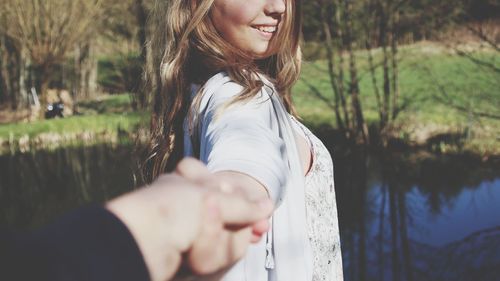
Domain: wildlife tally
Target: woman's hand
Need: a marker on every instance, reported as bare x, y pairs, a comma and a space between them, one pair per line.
190, 217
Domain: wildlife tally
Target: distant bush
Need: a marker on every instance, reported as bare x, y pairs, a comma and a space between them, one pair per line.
314, 50
120, 73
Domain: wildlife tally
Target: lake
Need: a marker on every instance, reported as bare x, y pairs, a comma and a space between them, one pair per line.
402, 216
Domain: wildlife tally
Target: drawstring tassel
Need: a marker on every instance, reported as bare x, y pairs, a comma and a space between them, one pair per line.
269, 256
269, 247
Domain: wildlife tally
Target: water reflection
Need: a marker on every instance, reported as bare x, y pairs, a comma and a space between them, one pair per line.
37, 186
401, 218
405, 219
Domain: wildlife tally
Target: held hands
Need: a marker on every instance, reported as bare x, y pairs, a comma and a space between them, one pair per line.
190, 217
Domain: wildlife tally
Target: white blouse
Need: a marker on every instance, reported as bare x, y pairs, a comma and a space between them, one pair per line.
256, 137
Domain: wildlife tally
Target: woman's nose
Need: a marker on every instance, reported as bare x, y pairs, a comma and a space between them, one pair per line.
275, 6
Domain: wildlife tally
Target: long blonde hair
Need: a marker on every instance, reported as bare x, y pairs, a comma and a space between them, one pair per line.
194, 51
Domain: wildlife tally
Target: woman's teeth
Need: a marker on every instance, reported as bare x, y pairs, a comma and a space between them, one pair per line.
268, 29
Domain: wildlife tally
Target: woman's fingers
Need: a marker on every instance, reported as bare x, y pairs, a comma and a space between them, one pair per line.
258, 229
230, 221
236, 210
234, 207
204, 255
217, 247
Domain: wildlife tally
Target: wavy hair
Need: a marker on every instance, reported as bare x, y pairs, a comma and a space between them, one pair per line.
194, 51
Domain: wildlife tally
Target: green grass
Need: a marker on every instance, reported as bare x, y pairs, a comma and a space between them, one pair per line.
109, 113
107, 104
425, 70
93, 123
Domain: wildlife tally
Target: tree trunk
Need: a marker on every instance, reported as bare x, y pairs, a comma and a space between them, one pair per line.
374, 78
396, 272
340, 83
361, 127
43, 78
85, 85
154, 58
361, 184
141, 16
5, 87
395, 69
381, 232
331, 65
10, 66
24, 83
405, 241
385, 64
371, 15
44, 87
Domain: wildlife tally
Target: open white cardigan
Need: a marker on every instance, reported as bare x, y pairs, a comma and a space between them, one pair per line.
255, 137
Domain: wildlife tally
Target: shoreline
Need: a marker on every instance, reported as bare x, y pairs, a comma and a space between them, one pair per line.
443, 144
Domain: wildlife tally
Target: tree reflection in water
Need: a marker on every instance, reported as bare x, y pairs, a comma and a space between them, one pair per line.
37, 186
401, 218
394, 212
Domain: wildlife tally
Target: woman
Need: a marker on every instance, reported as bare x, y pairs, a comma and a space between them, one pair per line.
227, 73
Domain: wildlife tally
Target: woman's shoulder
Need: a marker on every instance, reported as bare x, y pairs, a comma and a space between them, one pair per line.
220, 88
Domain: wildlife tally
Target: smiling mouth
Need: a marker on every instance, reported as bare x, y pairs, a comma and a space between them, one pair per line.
265, 28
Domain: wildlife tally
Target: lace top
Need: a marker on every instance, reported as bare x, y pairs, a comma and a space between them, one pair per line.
321, 209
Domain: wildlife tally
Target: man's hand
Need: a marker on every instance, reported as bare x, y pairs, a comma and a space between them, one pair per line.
191, 214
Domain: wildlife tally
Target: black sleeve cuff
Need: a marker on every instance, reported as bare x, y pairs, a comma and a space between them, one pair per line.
88, 244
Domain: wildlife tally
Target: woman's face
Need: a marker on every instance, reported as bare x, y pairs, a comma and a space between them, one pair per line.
248, 24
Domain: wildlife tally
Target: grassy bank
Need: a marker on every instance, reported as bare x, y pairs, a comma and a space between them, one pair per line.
74, 124
426, 70
105, 119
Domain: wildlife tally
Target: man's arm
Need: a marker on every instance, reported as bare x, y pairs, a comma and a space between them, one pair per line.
90, 243
142, 235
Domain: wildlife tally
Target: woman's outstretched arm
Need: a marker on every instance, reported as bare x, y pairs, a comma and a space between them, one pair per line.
240, 143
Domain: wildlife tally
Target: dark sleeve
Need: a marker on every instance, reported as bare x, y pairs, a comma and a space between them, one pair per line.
88, 244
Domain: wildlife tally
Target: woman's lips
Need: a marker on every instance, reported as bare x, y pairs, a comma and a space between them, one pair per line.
266, 31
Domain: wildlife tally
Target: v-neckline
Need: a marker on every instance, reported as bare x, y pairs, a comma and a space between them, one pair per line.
305, 136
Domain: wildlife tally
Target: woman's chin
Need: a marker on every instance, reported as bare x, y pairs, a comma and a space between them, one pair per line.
260, 52
263, 54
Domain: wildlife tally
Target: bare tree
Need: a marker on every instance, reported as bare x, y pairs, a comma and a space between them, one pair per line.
361, 127
386, 17
131, 21
379, 22
155, 55
84, 85
47, 30
7, 52
141, 14
334, 79
347, 103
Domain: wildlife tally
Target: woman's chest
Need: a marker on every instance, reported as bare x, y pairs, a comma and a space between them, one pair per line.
321, 212
319, 179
